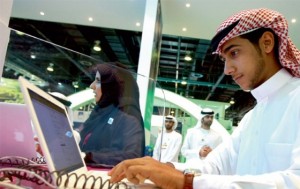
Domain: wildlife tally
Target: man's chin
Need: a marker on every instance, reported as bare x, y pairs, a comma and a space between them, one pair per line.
246, 88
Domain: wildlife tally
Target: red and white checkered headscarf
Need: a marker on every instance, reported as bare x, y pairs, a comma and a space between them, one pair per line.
250, 20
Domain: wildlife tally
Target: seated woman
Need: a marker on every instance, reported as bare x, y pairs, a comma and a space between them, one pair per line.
110, 135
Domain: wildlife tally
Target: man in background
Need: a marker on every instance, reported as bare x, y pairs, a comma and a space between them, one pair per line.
199, 136
168, 142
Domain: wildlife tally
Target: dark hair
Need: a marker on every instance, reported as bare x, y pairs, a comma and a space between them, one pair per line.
255, 35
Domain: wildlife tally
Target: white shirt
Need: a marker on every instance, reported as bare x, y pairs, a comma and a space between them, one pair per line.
195, 163
170, 147
265, 148
197, 137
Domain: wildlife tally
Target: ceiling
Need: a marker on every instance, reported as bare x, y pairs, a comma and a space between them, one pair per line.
65, 23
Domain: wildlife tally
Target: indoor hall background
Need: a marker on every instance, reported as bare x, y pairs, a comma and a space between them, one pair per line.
201, 78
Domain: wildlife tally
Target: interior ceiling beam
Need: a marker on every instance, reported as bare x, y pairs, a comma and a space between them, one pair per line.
59, 48
9, 64
177, 63
215, 86
199, 83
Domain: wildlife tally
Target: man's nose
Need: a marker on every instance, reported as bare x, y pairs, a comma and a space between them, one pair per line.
228, 68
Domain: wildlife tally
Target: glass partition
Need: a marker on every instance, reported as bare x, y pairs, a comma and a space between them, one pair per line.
60, 70
73, 77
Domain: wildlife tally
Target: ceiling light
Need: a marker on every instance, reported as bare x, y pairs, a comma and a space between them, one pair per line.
188, 5
42, 13
91, 19
183, 81
85, 63
188, 56
97, 46
75, 84
231, 101
32, 56
294, 20
197, 75
183, 29
138, 24
50, 67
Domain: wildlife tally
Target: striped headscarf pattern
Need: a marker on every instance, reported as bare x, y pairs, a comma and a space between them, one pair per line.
250, 20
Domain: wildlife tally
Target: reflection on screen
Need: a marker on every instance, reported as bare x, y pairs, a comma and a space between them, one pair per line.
57, 132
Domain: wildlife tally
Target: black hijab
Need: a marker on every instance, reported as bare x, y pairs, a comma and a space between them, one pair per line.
111, 88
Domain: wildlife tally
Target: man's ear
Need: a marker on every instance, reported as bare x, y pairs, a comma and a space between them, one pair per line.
267, 41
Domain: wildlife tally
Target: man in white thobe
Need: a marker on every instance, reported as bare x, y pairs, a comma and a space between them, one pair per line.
167, 146
200, 135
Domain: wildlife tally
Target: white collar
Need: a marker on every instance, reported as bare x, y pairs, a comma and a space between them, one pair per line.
273, 84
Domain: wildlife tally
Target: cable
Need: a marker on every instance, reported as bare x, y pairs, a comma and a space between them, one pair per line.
21, 169
15, 160
21, 174
9, 186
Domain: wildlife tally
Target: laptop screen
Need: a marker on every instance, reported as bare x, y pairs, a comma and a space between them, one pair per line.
16, 135
57, 133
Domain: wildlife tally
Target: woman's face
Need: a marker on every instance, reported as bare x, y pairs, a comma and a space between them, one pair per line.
96, 86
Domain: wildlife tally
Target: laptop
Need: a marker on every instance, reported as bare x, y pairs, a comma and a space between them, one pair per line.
62, 153
54, 131
16, 136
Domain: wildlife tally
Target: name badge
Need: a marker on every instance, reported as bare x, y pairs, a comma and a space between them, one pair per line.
110, 120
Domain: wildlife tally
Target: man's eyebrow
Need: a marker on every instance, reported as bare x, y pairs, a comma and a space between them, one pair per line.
228, 48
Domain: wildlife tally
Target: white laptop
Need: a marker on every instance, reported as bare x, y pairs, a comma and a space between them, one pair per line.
54, 131
16, 136
62, 154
